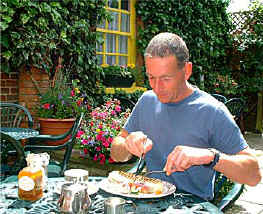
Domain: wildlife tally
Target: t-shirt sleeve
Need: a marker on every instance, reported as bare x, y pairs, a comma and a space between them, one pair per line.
226, 135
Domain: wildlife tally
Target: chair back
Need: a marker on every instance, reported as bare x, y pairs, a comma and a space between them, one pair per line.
37, 145
220, 97
236, 107
13, 115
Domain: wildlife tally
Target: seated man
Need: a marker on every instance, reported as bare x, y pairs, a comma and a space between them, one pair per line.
182, 129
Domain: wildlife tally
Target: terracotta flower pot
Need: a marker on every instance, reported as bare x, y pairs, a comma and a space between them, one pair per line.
55, 127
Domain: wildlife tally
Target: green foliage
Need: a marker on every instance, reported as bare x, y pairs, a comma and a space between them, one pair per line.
249, 48
39, 33
204, 25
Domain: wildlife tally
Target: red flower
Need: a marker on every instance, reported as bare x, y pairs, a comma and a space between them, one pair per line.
106, 144
85, 150
46, 106
79, 102
111, 160
98, 148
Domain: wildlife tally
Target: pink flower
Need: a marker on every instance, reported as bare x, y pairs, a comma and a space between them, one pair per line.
106, 144
113, 112
118, 108
95, 158
80, 133
98, 148
72, 93
85, 142
46, 106
110, 139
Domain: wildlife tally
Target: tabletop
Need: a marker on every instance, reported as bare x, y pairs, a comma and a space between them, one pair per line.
178, 202
19, 133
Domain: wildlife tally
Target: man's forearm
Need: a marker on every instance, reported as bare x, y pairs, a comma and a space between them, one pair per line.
242, 168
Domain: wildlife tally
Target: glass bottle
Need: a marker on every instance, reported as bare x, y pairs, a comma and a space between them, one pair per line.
30, 180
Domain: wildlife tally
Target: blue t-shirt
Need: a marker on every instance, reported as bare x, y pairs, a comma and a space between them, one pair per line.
200, 121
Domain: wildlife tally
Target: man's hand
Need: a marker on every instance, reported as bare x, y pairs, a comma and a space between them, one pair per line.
118, 150
183, 157
137, 143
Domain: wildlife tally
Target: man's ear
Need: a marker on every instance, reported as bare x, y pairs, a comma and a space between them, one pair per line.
188, 70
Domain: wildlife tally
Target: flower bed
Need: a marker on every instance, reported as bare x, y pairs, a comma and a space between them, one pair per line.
99, 129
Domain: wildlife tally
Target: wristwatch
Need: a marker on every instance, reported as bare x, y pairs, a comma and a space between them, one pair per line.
215, 160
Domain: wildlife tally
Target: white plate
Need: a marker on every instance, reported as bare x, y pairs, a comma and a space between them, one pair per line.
108, 187
92, 188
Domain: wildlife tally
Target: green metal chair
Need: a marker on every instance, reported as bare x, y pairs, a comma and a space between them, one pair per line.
12, 154
37, 144
220, 97
236, 107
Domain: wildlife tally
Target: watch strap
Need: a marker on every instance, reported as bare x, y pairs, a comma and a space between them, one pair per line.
215, 160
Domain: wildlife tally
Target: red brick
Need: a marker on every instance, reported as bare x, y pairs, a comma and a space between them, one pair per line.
14, 90
3, 97
12, 83
14, 76
4, 90
2, 83
4, 75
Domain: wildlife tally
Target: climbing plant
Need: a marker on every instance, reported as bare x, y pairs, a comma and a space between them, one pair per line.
204, 25
40, 33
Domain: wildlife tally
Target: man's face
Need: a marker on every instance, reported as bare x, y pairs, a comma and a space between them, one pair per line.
167, 80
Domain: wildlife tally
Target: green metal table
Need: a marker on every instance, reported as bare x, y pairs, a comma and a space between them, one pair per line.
19, 133
178, 202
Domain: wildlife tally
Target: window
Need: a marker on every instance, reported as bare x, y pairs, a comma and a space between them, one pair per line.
118, 34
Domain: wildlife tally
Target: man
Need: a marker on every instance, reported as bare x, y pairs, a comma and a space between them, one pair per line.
182, 129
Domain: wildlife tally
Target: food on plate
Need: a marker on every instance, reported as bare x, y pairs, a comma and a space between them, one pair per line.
126, 182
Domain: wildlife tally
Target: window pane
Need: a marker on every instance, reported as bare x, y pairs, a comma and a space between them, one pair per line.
123, 60
125, 4
110, 43
100, 59
113, 25
111, 60
113, 3
123, 44
125, 22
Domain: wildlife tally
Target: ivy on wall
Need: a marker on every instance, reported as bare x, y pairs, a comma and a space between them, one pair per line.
204, 25
40, 33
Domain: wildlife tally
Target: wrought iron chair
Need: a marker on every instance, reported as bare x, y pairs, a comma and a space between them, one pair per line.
236, 107
220, 97
37, 144
13, 116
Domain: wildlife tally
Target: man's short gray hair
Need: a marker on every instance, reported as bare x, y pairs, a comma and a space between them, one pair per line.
168, 44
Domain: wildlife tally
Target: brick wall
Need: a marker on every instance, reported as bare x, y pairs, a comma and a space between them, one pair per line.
9, 87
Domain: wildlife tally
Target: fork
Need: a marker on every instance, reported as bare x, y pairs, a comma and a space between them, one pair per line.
154, 171
141, 158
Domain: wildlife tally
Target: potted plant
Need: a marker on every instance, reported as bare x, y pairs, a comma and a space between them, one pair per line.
97, 132
118, 75
59, 107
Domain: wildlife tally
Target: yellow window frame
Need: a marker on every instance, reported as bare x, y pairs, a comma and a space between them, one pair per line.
131, 55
